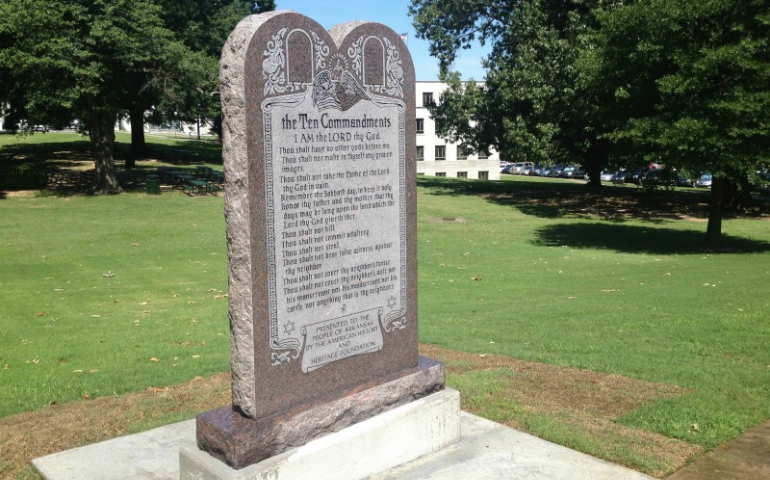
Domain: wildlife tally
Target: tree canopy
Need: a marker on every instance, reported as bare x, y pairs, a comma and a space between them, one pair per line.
601, 81
691, 81
95, 59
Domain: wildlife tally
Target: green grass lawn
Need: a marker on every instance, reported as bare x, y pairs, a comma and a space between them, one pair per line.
94, 288
632, 297
106, 295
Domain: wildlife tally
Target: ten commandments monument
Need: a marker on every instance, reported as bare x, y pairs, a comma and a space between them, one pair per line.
319, 151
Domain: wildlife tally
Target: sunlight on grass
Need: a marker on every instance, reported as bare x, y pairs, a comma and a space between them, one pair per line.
107, 295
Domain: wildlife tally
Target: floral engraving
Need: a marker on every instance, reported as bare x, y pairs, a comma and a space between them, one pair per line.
321, 52
355, 52
288, 350
395, 81
274, 64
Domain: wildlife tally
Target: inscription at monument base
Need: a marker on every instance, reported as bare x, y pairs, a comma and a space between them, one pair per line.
319, 148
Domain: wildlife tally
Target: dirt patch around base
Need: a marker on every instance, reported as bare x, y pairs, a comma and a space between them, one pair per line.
584, 403
62, 427
580, 400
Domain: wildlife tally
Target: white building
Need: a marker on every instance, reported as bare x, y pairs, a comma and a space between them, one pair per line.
439, 157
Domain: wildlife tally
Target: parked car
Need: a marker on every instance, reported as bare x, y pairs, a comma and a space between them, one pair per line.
636, 176
555, 171
606, 176
518, 167
527, 170
572, 172
507, 168
682, 181
620, 178
704, 181
659, 178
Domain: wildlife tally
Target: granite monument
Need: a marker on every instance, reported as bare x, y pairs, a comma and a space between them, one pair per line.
320, 205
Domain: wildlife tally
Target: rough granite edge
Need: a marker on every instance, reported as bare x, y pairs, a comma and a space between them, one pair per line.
237, 209
239, 441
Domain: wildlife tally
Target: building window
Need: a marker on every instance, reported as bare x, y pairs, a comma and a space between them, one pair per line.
420, 153
427, 99
462, 174
420, 125
462, 152
484, 175
441, 174
483, 155
440, 152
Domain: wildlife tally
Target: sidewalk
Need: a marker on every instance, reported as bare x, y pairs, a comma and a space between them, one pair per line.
743, 458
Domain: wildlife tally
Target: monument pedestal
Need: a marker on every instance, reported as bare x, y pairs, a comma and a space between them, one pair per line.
240, 441
387, 440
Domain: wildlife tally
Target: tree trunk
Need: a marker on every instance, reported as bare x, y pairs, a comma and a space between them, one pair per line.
101, 130
597, 158
138, 145
714, 229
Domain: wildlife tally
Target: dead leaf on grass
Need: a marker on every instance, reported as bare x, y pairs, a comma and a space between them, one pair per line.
41, 314
155, 359
477, 279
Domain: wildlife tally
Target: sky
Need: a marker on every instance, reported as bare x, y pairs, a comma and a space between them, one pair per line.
394, 14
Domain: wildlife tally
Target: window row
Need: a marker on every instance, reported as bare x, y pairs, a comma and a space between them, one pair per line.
483, 175
439, 153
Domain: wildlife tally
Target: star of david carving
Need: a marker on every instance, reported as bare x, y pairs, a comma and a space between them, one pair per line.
391, 302
288, 327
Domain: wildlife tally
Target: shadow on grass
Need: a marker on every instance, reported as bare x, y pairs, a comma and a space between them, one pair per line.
188, 153
572, 199
41, 164
640, 239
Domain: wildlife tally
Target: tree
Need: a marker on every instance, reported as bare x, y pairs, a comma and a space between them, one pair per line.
73, 57
95, 59
691, 85
191, 94
533, 105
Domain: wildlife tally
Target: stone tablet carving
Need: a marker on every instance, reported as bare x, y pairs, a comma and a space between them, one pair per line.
319, 149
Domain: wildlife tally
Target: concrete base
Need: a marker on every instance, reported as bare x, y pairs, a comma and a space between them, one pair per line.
490, 451
148, 455
359, 451
486, 450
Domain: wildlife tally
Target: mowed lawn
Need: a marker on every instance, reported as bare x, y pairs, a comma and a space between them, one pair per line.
106, 295
544, 280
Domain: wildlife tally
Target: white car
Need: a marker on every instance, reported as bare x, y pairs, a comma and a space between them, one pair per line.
606, 176
704, 181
